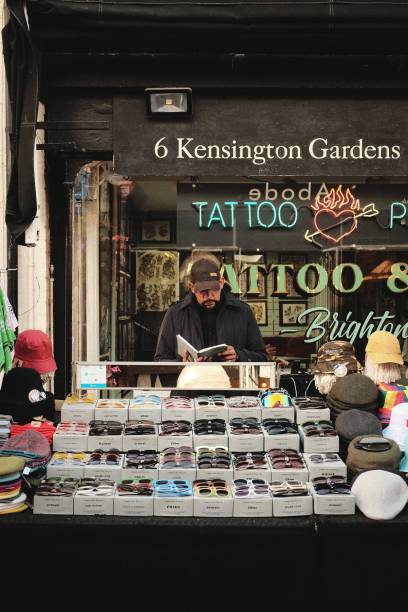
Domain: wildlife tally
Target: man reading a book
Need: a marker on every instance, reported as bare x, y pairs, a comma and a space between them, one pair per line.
209, 315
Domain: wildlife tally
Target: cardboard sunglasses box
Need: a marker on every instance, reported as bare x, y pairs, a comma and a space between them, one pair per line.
312, 414
244, 442
211, 411
213, 506
93, 505
173, 506
175, 441
253, 507
148, 411
283, 412
133, 472
53, 505
212, 440
179, 414
261, 473
112, 410
333, 503
302, 475
66, 470
69, 442
301, 505
105, 442
141, 442
132, 505
176, 473
318, 444
282, 441
326, 468
243, 412
80, 412
105, 471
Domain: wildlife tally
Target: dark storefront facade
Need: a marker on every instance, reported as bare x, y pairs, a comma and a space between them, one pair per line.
292, 170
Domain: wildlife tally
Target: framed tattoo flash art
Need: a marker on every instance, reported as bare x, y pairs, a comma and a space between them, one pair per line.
156, 230
157, 280
260, 311
289, 313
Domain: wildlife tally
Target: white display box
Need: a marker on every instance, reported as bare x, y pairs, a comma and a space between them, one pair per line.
132, 472
173, 506
333, 504
211, 412
244, 413
301, 505
210, 440
216, 473
105, 471
69, 442
290, 474
252, 507
109, 413
319, 444
53, 505
312, 414
147, 411
213, 506
132, 505
139, 443
283, 412
176, 473
78, 413
243, 443
281, 441
326, 469
93, 505
105, 442
255, 473
174, 441
65, 471
179, 414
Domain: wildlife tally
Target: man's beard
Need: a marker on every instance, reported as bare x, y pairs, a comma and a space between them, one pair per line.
208, 304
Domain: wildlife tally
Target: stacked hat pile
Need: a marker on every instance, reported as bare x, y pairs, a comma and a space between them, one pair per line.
5, 427
352, 423
31, 446
11, 498
353, 391
46, 428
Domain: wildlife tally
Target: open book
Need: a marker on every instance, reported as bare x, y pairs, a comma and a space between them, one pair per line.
210, 351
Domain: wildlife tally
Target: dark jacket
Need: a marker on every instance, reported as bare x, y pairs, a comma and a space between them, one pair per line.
236, 326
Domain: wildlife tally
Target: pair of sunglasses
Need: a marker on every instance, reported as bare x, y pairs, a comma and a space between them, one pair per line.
207, 459
73, 398
92, 486
335, 485
326, 458
135, 486
209, 426
205, 401
275, 399
286, 460
173, 488
110, 457
145, 401
246, 487
288, 488
243, 401
111, 404
177, 457
57, 487
307, 403
275, 427
175, 428
319, 428
248, 461
139, 428
170, 403
69, 428
105, 428
211, 488
142, 459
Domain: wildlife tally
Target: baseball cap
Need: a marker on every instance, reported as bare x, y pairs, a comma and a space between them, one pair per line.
333, 355
34, 348
205, 275
383, 347
380, 495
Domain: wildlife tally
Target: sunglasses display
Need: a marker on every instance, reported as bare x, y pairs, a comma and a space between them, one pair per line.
135, 486
319, 428
145, 401
105, 428
206, 427
335, 485
175, 428
181, 457
250, 461
58, 487
288, 488
209, 458
274, 427
173, 488
142, 459
275, 398
73, 398
245, 487
309, 403
93, 486
285, 459
101, 457
211, 488
109, 404
324, 458
177, 402
248, 425
139, 428
69, 459
211, 401
243, 401
72, 429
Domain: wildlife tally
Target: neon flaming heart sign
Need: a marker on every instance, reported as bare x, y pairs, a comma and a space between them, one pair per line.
336, 214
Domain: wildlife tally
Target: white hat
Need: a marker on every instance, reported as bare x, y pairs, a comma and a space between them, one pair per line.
380, 495
398, 427
203, 376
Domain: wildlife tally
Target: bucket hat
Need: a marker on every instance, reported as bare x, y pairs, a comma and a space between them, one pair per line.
34, 349
360, 457
398, 427
353, 423
380, 495
383, 347
22, 396
391, 395
336, 358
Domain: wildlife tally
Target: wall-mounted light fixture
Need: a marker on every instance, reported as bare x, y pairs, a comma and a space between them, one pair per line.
172, 102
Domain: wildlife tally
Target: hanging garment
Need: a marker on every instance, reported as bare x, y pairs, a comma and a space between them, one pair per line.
7, 337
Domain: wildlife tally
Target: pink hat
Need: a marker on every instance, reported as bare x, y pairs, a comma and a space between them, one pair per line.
33, 347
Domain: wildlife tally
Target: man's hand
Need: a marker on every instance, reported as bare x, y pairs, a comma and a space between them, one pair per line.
187, 356
271, 351
229, 355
